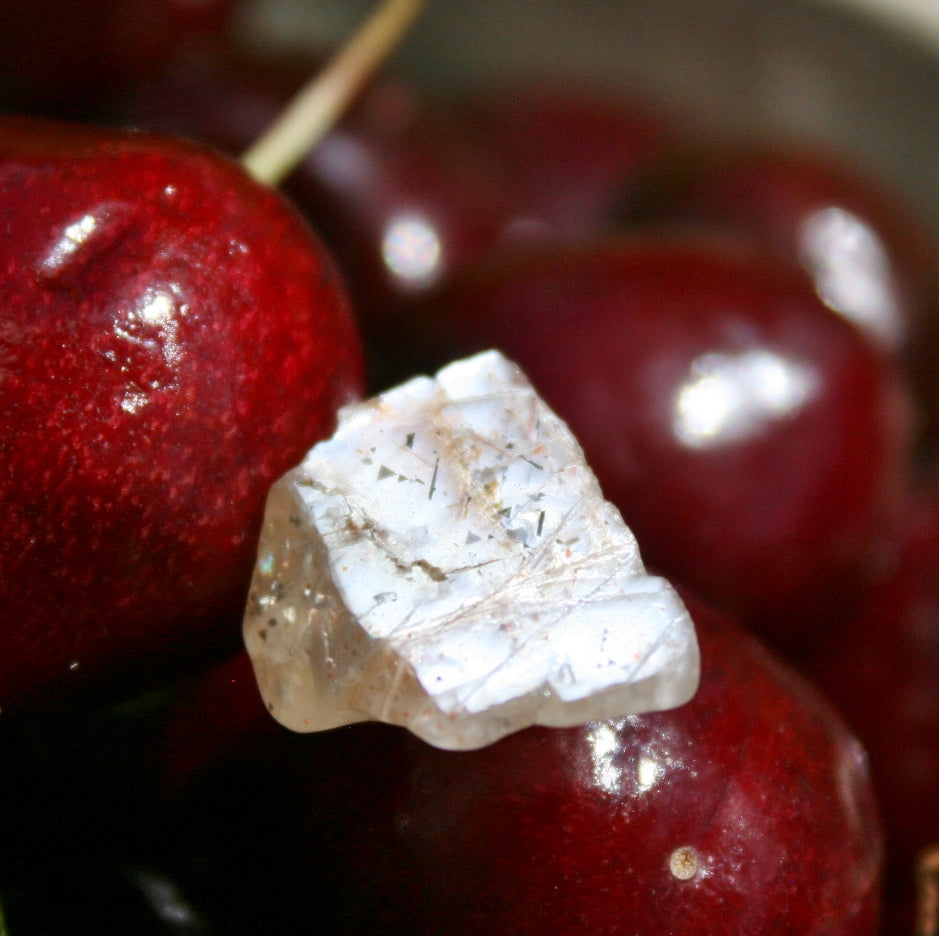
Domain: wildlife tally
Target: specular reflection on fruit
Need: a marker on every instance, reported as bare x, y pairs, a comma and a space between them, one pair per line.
728, 398
851, 270
769, 454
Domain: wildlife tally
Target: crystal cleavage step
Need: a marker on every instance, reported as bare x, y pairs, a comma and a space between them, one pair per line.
447, 562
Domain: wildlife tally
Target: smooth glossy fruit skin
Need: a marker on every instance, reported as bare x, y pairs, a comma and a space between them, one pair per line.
400, 189
572, 154
880, 668
67, 57
861, 243
406, 190
756, 784
172, 339
755, 443
868, 256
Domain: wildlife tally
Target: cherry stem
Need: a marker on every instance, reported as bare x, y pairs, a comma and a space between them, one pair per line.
319, 104
927, 892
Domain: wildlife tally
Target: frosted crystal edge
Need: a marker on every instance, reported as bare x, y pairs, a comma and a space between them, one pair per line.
372, 602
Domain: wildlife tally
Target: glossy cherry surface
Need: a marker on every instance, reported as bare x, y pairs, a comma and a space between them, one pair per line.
172, 339
69, 56
572, 154
864, 249
400, 188
748, 810
755, 442
880, 669
862, 244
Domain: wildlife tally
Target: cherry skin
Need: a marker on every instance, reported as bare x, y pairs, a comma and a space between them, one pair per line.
400, 188
867, 253
172, 339
407, 189
748, 810
869, 257
755, 443
572, 154
65, 57
879, 667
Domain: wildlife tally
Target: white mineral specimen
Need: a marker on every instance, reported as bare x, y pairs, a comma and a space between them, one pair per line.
447, 562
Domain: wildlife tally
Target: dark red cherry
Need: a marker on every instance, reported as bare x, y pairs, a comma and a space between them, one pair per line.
754, 441
213, 714
76, 818
172, 339
868, 254
67, 57
571, 153
226, 99
399, 189
748, 810
880, 668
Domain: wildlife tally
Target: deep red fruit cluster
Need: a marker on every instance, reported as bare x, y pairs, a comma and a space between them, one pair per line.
741, 339
724, 812
756, 443
172, 340
60, 55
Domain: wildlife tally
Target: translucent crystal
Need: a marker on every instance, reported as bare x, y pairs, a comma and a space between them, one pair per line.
447, 562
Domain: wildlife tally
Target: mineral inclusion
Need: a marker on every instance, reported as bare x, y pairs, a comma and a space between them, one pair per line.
447, 562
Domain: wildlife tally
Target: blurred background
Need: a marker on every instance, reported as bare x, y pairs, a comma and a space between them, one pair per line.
813, 69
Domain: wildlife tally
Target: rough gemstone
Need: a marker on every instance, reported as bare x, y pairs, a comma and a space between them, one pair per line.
447, 562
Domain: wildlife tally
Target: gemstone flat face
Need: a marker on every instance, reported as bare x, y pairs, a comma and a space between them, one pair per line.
447, 562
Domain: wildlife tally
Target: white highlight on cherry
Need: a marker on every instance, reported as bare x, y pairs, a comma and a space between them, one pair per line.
731, 397
852, 273
412, 251
72, 239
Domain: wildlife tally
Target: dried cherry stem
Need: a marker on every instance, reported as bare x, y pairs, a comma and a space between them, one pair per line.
927, 892
314, 110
